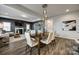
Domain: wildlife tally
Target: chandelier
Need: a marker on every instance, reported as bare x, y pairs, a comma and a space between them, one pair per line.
45, 17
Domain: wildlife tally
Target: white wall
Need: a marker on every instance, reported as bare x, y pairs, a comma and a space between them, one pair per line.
49, 25
57, 20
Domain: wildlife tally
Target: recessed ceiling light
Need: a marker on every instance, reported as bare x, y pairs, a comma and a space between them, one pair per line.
23, 15
67, 10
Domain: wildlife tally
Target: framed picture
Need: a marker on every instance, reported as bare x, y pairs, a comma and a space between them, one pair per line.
69, 25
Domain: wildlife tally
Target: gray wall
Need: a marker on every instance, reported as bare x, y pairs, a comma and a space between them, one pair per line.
13, 23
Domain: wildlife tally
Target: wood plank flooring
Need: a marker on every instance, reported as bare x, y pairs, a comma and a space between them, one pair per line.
61, 47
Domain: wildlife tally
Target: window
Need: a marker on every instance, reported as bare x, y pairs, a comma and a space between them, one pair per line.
1, 25
7, 26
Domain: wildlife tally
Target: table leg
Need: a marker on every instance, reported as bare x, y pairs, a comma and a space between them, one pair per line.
38, 46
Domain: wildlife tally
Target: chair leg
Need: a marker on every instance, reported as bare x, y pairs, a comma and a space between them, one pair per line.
47, 48
26, 48
51, 47
31, 51
53, 44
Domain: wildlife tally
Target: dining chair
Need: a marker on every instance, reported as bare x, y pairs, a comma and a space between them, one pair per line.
48, 40
32, 32
31, 42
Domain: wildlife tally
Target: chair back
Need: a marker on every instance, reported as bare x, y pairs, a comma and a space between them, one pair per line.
28, 38
33, 32
50, 37
53, 36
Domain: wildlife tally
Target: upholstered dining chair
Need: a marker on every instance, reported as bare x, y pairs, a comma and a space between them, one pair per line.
31, 42
32, 32
48, 40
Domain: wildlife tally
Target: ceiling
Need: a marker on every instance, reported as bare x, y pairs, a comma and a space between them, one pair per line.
34, 12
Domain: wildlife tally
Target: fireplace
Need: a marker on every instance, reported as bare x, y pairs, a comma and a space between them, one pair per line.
19, 30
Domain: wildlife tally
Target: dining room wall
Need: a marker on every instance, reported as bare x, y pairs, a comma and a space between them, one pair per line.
57, 20
12, 21
49, 25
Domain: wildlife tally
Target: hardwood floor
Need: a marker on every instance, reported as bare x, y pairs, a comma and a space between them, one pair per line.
61, 47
